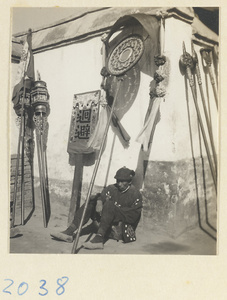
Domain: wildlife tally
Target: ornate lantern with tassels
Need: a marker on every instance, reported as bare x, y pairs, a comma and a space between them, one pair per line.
40, 98
41, 107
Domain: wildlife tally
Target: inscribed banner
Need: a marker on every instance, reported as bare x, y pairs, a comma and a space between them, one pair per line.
84, 118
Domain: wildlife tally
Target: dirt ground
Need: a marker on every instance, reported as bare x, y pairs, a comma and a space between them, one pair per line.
34, 238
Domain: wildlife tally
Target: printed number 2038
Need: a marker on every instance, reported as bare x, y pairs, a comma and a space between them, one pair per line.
23, 287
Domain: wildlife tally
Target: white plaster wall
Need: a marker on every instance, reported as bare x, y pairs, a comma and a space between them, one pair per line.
67, 71
172, 140
76, 69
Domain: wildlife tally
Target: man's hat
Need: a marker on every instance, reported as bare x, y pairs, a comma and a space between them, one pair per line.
124, 174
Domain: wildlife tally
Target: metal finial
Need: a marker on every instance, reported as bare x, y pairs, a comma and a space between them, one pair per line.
194, 54
184, 48
38, 75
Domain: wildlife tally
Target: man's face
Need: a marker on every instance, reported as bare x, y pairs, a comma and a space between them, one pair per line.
122, 185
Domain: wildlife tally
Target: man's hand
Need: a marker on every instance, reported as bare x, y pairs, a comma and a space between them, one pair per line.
99, 206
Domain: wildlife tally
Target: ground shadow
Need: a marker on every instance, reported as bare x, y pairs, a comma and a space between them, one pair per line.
166, 248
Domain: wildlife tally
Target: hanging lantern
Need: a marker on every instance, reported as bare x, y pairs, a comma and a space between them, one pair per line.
41, 107
40, 98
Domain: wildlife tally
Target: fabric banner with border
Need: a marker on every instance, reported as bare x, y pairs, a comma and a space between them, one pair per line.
84, 119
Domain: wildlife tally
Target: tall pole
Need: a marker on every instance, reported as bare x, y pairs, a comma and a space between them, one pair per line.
110, 159
16, 176
43, 176
22, 169
96, 166
20, 142
76, 188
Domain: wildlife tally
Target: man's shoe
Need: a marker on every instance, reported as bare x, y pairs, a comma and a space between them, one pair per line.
14, 232
90, 245
95, 243
62, 237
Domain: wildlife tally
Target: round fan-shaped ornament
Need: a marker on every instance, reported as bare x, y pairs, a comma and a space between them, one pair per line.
125, 55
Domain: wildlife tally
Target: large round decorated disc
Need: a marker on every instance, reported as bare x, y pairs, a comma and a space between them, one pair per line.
125, 55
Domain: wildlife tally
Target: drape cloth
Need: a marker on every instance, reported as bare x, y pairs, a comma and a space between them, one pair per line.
144, 135
97, 136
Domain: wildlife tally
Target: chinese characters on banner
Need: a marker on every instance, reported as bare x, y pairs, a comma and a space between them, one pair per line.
84, 118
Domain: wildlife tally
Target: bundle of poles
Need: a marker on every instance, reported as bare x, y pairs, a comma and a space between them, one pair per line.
190, 63
36, 105
41, 126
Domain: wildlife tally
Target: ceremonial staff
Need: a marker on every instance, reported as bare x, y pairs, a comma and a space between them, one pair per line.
206, 55
187, 62
199, 80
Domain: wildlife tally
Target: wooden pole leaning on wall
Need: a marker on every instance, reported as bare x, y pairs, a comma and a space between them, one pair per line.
22, 170
209, 127
44, 168
74, 248
186, 62
110, 159
76, 188
16, 177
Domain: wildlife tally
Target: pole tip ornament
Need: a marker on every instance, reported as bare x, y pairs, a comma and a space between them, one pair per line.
186, 60
205, 53
194, 54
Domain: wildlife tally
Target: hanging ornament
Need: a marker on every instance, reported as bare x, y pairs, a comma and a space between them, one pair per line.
125, 55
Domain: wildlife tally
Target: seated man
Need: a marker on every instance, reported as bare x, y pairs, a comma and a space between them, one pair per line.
120, 202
